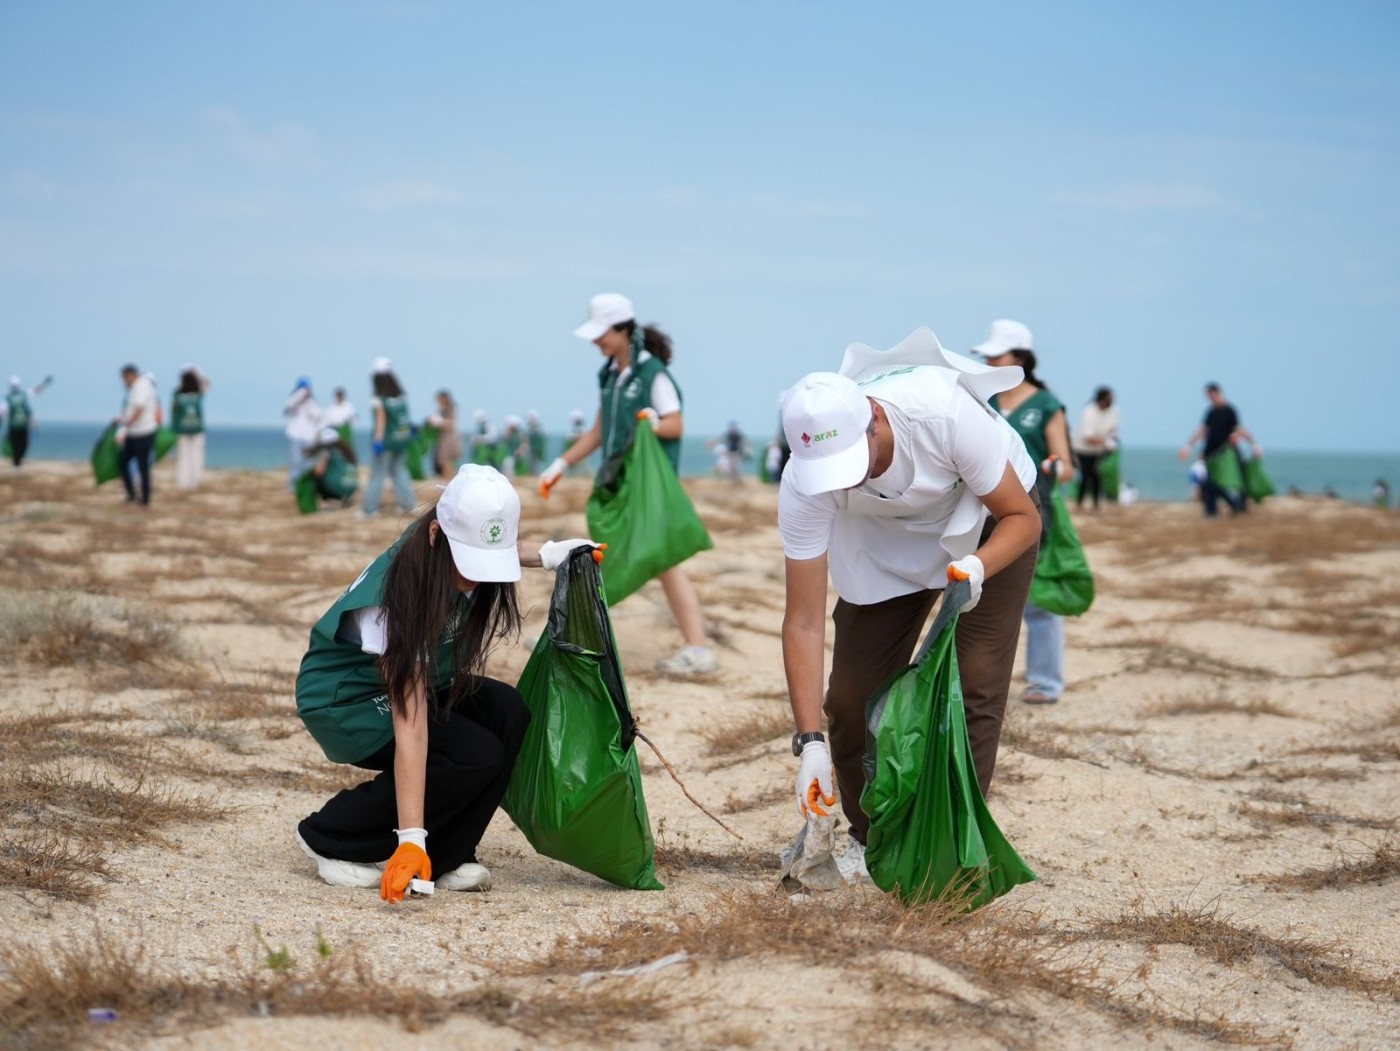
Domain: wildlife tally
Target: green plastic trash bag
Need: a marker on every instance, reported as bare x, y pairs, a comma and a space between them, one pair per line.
1063, 582
1110, 477
576, 790
6, 449
420, 446
308, 500
1223, 468
640, 510
931, 835
1257, 482
106, 452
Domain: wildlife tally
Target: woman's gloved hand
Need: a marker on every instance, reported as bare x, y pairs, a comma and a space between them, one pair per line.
409, 862
554, 553
648, 414
552, 474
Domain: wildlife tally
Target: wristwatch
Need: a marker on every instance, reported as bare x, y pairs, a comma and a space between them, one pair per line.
798, 740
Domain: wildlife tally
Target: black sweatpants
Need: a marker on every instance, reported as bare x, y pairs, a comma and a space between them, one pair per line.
471, 752
19, 444
140, 450
1089, 481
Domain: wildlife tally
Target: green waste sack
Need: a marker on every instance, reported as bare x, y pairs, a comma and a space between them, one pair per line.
6, 449
420, 446
639, 509
1257, 482
1063, 582
106, 452
308, 500
1109, 475
576, 789
931, 834
1223, 468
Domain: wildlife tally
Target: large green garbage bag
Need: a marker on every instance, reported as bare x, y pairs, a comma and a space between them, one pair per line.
419, 446
106, 452
308, 500
1110, 477
1257, 482
1223, 468
931, 835
639, 509
1063, 583
576, 790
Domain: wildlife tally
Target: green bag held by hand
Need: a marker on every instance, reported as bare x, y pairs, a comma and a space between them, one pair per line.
576, 790
420, 446
639, 509
1063, 582
1223, 468
931, 836
1257, 482
106, 452
1109, 475
308, 499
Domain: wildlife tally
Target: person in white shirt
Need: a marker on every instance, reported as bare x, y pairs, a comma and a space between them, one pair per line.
339, 413
303, 425
1096, 437
901, 480
136, 432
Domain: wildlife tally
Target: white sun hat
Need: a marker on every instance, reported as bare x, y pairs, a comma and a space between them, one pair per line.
380, 366
824, 418
605, 311
1002, 336
479, 513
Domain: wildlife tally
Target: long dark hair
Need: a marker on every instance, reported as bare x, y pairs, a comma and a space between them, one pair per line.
657, 343
189, 382
386, 385
1026, 359
346, 449
420, 597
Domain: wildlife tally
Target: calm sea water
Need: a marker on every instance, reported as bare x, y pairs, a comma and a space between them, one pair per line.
1157, 474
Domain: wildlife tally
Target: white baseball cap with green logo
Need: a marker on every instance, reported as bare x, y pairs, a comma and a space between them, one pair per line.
479, 513
824, 418
604, 311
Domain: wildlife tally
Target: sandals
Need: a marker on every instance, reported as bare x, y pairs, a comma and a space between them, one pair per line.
1038, 697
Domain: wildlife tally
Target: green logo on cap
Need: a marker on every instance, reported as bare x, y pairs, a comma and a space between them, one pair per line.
493, 531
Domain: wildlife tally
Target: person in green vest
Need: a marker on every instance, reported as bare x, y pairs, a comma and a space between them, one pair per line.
392, 433
535, 442
187, 421
634, 380
577, 429
19, 417
1039, 418
394, 681
334, 466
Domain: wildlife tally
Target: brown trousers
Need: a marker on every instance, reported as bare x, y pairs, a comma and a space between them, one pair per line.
874, 642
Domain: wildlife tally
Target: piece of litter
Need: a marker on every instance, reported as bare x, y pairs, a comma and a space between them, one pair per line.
589, 977
102, 1014
421, 886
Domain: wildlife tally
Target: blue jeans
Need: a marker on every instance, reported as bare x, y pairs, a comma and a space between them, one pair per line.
393, 465
1045, 651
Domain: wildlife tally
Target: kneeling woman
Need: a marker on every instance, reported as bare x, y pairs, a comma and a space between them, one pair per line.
393, 682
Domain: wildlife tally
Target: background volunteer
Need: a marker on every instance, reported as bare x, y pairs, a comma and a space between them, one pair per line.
1094, 438
896, 486
136, 431
443, 740
18, 417
187, 421
392, 433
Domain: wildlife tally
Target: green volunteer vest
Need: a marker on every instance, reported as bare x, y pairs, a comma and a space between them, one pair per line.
342, 477
17, 403
398, 431
340, 695
187, 413
537, 444
1029, 419
621, 404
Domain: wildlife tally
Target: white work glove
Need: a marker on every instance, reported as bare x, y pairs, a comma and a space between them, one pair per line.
814, 789
1055, 464
554, 553
552, 474
648, 414
971, 570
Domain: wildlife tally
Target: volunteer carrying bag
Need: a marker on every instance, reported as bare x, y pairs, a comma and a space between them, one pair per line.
106, 453
639, 509
1063, 583
419, 447
931, 836
576, 790
1223, 468
1110, 475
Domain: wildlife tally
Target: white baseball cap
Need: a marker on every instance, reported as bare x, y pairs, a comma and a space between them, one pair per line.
1002, 336
329, 436
824, 418
380, 366
15, 382
479, 513
605, 311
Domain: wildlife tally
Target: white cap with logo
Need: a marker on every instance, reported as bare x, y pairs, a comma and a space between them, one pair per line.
1004, 335
380, 366
605, 311
479, 513
824, 418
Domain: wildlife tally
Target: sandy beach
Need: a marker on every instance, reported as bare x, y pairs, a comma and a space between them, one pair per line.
1211, 809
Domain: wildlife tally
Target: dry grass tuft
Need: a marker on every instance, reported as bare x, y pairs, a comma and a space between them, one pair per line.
1219, 705
64, 628
743, 735
1372, 865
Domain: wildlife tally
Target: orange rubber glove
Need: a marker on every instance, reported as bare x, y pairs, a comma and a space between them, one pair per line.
552, 474
409, 862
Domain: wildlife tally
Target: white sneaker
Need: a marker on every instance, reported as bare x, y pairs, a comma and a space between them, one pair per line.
343, 873
851, 864
691, 660
467, 876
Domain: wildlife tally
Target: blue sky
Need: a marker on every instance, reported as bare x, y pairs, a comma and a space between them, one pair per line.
1165, 193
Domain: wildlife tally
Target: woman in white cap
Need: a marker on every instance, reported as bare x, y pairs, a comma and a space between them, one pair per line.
394, 681
1039, 418
392, 433
634, 381
334, 467
187, 420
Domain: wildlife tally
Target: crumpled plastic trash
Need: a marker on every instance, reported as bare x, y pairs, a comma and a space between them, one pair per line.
809, 863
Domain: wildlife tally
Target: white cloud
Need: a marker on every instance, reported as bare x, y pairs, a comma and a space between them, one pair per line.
1146, 196
284, 146
402, 193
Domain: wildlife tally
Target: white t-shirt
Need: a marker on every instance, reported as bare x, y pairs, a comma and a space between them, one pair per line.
337, 413
1095, 422
896, 534
141, 408
303, 417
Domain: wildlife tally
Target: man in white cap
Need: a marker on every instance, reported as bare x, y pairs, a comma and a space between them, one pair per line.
901, 480
18, 416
